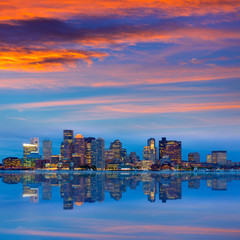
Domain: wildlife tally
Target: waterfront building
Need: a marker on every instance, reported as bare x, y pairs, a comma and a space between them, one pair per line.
67, 146
171, 148
146, 153
98, 153
35, 141
219, 157
88, 150
153, 149
146, 164
209, 158
194, 157
79, 148
30, 160
47, 149
12, 162
28, 148
54, 159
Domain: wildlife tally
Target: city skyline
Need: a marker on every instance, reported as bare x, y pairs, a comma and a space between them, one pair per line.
156, 155
124, 69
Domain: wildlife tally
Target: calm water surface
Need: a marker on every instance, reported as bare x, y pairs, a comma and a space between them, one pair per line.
119, 206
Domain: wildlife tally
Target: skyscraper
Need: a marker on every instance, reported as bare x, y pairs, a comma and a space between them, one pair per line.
171, 148
98, 153
35, 141
67, 143
153, 149
88, 149
28, 148
116, 146
79, 148
146, 153
47, 149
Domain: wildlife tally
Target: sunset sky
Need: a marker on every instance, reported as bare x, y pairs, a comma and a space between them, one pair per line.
121, 69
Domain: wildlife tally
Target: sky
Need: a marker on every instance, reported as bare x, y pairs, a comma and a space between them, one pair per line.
122, 69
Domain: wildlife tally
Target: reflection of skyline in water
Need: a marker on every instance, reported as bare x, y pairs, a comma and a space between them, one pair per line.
80, 188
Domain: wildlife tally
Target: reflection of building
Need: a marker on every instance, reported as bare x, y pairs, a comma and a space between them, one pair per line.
32, 192
170, 189
194, 157
194, 184
219, 157
46, 191
47, 149
171, 148
217, 183
67, 196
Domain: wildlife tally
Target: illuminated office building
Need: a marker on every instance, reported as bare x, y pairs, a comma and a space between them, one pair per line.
171, 148
47, 149
209, 158
194, 157
28, 148
68, 145
35, 141
219, 157
12, 162
116, 146
146, 153
98, 153
54, 159
109, 155
153, 149
79, 148
88, 150
30, 160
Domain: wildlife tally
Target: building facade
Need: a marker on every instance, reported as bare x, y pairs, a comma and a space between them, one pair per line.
171, 148
47, 149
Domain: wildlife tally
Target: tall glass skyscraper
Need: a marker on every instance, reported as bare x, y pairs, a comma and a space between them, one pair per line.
98, 153
79, 148
68, 145
47, 149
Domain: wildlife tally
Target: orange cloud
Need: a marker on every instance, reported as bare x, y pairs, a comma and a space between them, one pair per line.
68, 8
123, 76
37, 60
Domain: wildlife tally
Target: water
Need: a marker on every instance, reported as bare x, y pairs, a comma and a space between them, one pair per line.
119, 205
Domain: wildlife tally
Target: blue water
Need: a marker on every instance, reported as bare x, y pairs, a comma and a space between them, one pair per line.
119, 206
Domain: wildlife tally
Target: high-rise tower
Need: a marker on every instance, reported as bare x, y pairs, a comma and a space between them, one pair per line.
47, 149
